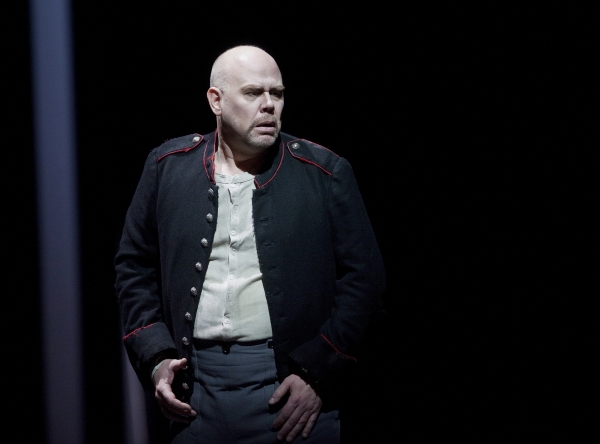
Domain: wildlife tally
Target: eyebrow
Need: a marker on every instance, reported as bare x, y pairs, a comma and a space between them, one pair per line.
275, 88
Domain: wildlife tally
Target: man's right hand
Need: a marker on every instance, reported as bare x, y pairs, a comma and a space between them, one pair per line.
171, 407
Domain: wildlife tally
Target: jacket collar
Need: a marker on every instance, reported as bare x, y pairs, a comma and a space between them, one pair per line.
272, 162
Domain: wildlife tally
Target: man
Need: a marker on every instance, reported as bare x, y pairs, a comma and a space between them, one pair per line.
247, 272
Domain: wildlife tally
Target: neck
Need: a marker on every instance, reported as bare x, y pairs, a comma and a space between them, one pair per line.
230, 163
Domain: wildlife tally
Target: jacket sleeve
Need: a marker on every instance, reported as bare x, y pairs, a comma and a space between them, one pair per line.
360, 285
138, 280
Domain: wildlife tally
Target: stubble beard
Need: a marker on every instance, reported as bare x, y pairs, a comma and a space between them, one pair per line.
260, 142
248, 138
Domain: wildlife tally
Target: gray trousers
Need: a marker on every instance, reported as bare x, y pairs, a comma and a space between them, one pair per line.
233, 383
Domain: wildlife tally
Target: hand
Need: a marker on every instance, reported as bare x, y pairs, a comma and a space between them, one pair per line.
171, 407
301, 410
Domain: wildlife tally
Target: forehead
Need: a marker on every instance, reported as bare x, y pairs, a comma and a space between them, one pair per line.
259, 71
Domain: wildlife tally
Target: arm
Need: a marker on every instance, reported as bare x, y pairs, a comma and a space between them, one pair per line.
319, 366
137, 283
359, 286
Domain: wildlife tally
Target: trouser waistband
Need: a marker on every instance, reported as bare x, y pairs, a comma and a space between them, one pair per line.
201, 344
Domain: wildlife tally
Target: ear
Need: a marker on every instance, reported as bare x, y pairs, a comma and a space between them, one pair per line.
214, 100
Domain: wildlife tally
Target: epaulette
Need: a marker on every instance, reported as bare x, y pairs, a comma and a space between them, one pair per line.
310, 152
178, 145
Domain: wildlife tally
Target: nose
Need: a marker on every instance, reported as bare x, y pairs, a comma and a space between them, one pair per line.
267, 103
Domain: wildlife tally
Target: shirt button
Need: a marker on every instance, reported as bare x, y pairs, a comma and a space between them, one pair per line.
198, 266
185, 386
295, 145
194, 291
204, 242
196, 139
209, 217
188, 316
185, 341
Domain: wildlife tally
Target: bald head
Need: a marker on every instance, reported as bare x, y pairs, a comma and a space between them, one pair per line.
237, 59
246, 96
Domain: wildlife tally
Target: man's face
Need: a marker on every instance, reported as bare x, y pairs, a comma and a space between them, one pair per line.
252, 103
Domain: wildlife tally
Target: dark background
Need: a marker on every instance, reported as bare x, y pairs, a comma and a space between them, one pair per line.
473, 134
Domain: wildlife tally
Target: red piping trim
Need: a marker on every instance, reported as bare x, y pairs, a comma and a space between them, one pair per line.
183, 150
337, 351
135, 332
276, 171
302, 159
212, 158
309, 162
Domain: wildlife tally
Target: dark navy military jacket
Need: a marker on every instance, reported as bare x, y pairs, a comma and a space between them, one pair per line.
322, 269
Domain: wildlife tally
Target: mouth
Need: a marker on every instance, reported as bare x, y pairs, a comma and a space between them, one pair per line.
266, 126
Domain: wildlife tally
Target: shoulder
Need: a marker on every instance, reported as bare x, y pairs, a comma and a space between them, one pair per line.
311, 153
178, 145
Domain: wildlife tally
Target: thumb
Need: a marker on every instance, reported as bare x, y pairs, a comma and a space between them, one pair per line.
178, 364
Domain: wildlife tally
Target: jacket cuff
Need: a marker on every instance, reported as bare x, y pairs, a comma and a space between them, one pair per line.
321, 365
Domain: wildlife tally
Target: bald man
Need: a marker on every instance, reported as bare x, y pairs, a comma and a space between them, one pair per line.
247, 272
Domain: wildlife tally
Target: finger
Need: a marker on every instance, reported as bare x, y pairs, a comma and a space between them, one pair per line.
293, 427
177, 408
178, 364
176, 417
287, 419
286, 415
312, 420
279, 393
280, 420
167, 400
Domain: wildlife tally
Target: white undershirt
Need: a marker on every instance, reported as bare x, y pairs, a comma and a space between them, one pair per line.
233, 305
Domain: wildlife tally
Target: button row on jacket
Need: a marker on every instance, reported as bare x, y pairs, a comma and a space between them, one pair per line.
198, 266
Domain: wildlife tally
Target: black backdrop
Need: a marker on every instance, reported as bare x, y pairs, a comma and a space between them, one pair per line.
470, 132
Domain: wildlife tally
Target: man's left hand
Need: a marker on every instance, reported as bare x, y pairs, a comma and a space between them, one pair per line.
301, 410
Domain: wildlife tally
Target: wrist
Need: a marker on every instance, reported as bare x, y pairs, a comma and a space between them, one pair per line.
156, 367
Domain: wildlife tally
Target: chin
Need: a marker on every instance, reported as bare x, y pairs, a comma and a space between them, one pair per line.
263, 141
